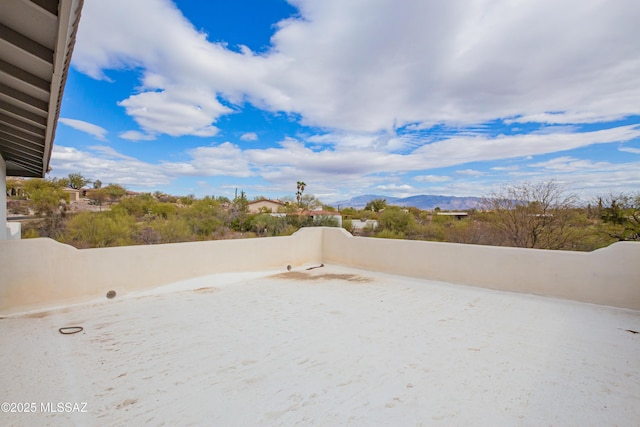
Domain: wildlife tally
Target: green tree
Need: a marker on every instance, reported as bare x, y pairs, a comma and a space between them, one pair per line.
100, 229
239, 213
300, 186
172, 230
622, 213
115, 192
77, 181
309, 202
376, 205
396, 222
138, 206
46, 197
206, 217
97, 196
49, 200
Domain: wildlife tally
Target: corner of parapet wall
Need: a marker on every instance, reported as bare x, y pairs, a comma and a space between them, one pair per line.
610, 276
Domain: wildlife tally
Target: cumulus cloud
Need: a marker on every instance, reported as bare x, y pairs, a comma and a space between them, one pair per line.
249, 136
107, 165
368, 66
95, 130
328, 169
391, 87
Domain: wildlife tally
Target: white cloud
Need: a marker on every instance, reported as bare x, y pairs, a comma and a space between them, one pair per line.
395, 187
460, 150
249, 136
134, 135
333, 174
432, 178
224, 159
470, 172
107, 165
505, 168
566, 164
370, 66
175, 114
95, 130
630, 150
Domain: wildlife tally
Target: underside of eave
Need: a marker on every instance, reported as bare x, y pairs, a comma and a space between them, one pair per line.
36, 43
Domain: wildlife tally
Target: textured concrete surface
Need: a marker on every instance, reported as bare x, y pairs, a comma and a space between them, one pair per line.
327, 346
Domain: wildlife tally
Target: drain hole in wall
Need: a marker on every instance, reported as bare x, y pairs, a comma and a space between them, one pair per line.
111, 294
289, 267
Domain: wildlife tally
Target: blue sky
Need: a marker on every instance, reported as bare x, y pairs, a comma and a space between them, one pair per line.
354, 97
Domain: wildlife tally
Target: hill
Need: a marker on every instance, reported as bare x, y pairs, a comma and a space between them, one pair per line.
426, 202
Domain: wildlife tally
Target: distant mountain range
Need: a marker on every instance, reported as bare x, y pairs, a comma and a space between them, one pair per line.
426, 202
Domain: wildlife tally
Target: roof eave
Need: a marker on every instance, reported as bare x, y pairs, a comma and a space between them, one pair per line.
69, 17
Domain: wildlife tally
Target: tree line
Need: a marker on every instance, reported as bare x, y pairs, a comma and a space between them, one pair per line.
530, 215
540, 215
133, 219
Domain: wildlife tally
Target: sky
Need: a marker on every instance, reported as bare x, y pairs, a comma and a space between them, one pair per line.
354, 97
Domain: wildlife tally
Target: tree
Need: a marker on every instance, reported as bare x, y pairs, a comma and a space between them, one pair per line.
396, 223
77, 181
115, 192
97, 184
96, 230
97, 196
48, 198
533, 215
376, 205
622, 212
300, 185
309, 202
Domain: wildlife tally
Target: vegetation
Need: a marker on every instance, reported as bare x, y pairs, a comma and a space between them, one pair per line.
528, 215
540, 215
300, 185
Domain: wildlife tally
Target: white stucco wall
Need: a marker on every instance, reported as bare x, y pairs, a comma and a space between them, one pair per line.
14, 231
609, 276
42, 272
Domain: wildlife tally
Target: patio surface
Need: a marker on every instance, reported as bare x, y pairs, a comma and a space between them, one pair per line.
328, 346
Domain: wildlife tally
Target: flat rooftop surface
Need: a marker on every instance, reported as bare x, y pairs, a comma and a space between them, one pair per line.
328, 346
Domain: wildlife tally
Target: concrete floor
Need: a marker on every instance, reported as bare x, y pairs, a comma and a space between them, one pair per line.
328, 346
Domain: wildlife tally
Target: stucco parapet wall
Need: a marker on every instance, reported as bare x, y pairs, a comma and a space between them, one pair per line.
41, 272
608, 276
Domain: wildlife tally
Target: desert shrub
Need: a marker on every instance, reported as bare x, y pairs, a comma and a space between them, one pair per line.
171, 230
99, 229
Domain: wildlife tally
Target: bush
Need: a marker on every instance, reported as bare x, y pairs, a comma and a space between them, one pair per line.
99, 229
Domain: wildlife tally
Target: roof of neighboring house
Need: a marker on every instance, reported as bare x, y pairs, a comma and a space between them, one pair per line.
36, 43
266, 200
